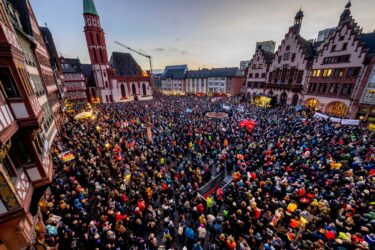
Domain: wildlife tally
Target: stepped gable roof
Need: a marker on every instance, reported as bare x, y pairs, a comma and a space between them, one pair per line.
125, 65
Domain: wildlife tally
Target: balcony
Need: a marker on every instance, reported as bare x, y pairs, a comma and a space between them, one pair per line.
74, 89
292, 87
335, 79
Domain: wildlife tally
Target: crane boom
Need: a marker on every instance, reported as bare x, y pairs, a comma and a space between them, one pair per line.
139, 53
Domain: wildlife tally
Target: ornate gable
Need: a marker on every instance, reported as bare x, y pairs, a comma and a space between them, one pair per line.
342, 49
294, 51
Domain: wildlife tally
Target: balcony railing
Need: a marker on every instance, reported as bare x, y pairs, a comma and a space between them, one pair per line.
346, 79
293, 87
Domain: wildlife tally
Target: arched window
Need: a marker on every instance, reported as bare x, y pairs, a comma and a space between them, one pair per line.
283, 98
91, 39
295, 100
95, 57
123, 92
98, 39
144, 89
134, 92
101, 55
106, 84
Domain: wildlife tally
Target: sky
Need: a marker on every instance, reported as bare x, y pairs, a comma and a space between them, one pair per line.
199, 33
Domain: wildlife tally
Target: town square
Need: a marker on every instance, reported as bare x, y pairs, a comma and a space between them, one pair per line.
125, 148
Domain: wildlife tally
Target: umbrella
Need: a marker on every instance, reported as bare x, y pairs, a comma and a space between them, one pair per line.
83, 115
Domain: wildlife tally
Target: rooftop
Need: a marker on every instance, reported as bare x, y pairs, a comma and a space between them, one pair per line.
89, 7
125, 65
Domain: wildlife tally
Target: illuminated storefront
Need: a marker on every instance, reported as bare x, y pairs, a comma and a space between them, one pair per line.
262, 101
337, 109
312, 103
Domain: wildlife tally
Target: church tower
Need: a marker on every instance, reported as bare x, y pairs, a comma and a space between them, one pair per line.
97, 48
298, 21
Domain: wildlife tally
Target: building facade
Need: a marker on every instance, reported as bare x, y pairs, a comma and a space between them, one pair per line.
337, 70
110, 86
26, 127
74, 81
289, 70
173, 79
257, 71
366, 93
217, 81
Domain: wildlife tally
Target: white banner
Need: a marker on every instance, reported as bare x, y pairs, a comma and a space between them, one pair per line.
349, 122
320, 115
334, 119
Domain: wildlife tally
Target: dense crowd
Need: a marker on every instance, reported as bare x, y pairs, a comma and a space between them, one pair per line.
297, 182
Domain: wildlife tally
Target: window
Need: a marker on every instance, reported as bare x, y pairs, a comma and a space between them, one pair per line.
312, 87
316, 73
287, 48
293, 57
343, 59
251, 76
322, 88
342, 38
279, 59
347, 89
101, 55
327, 72
98, 39
334, 88
333, 48
286, 56
91, 39
95, 56
123, 92
300, 76
344, 46
8, 84
257, 75
372, 79
263, 75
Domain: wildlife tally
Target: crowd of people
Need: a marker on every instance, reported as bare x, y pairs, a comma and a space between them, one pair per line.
297, 182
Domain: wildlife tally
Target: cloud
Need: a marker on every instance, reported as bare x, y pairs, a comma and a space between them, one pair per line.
171, 50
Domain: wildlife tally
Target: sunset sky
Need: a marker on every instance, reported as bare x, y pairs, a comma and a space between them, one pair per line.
200, 33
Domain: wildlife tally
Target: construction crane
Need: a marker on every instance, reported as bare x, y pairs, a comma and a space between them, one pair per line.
139, 53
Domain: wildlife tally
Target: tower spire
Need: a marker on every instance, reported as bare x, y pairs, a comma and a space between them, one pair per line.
298, 20
346, 14
89, 7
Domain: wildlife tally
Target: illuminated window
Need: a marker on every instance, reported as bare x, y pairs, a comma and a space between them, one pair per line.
318, 73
